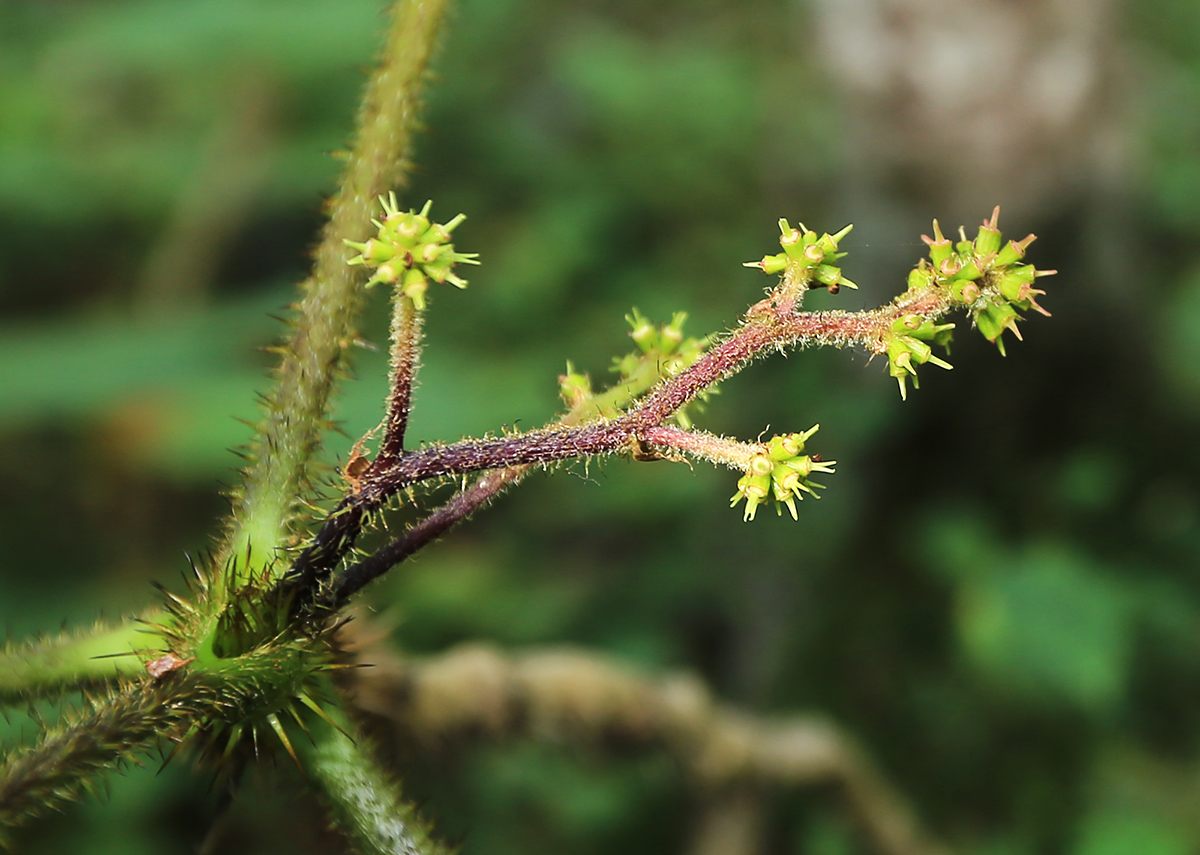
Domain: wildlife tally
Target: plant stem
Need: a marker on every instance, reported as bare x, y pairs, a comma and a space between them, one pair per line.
365, 800
76, 757
75, 660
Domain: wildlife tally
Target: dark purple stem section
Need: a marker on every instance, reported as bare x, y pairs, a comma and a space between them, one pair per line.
566, 443
421, 534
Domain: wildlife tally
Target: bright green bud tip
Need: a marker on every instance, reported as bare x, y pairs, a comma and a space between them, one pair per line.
837, 237
987, 241
644, 333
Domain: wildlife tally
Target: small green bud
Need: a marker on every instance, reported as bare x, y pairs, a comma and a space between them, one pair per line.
969, 270
949, 266
939, 247
770, 264
1014, 251
993, 319
964, 291
575, 388
644, 333
829, 242
671, 335
372, 251
414, 287
793, 244
829, 275
987, 240
1015, 281
920, 277
760, 464
754, 489
386, 273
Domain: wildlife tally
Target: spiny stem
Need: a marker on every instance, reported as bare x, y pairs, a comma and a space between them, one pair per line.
459, 508
365, 800
76, 757
323, 327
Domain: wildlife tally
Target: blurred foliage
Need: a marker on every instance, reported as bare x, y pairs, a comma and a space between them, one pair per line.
1000, 592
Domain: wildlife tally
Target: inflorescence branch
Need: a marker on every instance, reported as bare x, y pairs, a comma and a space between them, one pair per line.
983, 277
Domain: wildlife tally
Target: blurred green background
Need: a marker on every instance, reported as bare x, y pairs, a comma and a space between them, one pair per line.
1000, 591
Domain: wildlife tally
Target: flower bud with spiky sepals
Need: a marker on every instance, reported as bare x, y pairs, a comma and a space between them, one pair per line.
575, 388
780, 473
408, 250
644, 334
906, 348
983, 274
807, 258
1016, 286
994, 318
987, 240
940, 247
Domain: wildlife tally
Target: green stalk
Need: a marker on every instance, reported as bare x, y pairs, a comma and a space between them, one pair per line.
73, 661
365, 800
323, 327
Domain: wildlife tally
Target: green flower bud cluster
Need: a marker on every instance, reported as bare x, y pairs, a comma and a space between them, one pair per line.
665, 342
906, 348
409, 250
574, 387
984, 275
807, 257
780, 472
663, 351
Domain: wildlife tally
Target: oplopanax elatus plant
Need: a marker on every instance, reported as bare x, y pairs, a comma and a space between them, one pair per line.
245, 662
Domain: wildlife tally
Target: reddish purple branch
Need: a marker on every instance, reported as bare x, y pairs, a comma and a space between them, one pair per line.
767, 325
765, 330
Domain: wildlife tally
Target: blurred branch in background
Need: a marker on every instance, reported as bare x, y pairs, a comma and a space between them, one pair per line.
214, 203
574, 696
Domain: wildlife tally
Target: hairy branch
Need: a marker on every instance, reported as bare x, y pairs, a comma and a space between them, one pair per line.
364, 798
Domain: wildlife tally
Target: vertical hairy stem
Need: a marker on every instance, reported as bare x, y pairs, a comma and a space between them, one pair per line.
364, 799
324, 323
406, 351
